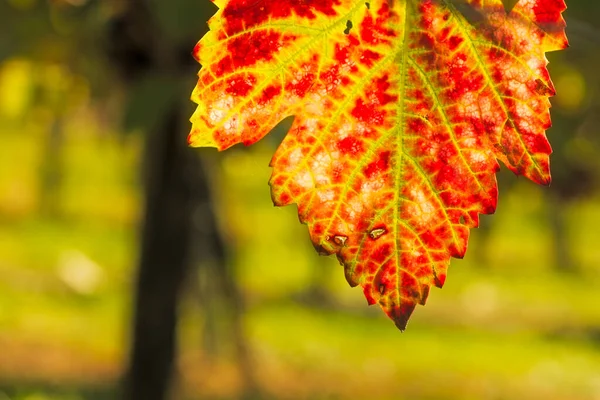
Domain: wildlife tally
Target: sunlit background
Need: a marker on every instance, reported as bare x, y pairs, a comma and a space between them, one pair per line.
84, 87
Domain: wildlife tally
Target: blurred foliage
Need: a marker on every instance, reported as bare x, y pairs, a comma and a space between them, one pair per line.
509, 324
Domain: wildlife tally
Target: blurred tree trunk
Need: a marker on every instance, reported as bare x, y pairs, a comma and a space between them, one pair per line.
179, 212
173, 182
174, 186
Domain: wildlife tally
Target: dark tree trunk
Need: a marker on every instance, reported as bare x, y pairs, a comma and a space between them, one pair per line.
179, 212
174, 179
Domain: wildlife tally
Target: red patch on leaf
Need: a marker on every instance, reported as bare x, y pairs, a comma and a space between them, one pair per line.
240, 85
350, 146
549, 11
250, 48
241, 15
269, 93
373, 31
382, 164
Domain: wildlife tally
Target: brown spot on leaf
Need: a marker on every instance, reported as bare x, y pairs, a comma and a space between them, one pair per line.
340, 240
377, 233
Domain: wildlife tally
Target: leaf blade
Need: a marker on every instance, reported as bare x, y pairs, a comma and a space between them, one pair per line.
402, 110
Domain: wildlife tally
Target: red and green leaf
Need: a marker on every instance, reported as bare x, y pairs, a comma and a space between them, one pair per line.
402, 110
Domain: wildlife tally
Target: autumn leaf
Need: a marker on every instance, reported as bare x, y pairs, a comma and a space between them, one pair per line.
402, 110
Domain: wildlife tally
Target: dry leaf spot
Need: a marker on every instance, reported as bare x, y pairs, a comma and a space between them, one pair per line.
376, 233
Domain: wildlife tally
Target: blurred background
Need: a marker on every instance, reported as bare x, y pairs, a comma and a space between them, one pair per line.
133, 267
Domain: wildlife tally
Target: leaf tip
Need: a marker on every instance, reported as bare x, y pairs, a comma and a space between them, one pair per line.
439, 279
401, 314
196, 52
350, 277
196, 139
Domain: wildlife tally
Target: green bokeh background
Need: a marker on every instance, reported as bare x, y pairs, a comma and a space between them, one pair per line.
518, 318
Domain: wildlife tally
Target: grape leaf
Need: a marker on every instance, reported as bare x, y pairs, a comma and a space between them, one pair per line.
402, 110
